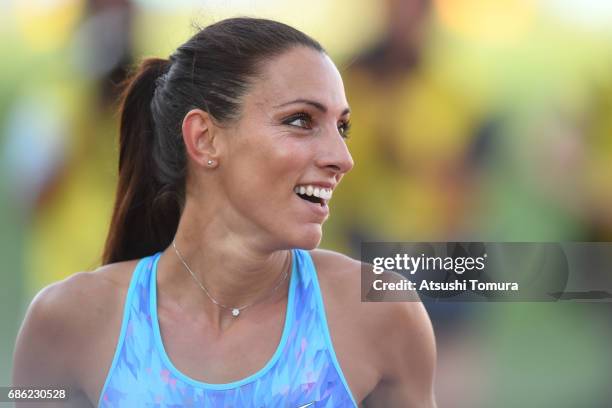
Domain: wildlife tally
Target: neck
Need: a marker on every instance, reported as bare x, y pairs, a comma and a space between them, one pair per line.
233, 273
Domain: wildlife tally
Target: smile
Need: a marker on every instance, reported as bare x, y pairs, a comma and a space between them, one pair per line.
314, 194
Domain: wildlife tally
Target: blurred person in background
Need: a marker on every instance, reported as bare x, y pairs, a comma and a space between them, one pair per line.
211, 291
74, 199
519, 158
412, 140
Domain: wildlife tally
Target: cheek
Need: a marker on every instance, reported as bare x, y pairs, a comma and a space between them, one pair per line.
281, 157
265, 167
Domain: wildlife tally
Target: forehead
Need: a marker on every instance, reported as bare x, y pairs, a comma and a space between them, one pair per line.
299, 73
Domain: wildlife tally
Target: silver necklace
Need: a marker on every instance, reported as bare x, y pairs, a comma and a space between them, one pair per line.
235, 310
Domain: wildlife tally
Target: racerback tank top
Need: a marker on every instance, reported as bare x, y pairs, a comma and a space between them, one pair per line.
303, 371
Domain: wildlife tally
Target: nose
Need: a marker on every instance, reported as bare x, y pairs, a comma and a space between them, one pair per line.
334, 154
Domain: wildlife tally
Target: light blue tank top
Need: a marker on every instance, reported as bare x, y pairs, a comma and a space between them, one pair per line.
303, 372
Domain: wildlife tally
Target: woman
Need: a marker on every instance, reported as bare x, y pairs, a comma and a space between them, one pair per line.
211, 293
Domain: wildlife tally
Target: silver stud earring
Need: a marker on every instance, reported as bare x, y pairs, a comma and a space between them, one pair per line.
210, 162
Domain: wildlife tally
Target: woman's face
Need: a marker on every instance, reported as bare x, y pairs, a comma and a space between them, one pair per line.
289, 142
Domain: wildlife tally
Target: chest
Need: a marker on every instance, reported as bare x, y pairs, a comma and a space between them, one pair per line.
210, 356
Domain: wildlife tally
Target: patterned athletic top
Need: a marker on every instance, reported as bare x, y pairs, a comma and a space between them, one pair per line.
303, 372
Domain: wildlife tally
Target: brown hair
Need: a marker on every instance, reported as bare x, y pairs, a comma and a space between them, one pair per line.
211, 71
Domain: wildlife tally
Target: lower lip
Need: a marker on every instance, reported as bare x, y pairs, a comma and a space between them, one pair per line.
318, 209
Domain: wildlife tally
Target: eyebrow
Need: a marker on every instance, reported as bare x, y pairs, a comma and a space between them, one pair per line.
315, 104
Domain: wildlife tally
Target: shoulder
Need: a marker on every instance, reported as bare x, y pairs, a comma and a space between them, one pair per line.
408, 344
339, 277
63, 322
354, 278
334, 263
350, 280
81, 299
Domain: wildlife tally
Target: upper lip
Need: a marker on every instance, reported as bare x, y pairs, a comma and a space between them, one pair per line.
324, 184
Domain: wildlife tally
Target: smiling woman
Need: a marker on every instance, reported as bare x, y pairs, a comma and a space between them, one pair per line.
212, 292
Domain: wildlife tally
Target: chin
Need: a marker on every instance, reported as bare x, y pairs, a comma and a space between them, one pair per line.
308, 237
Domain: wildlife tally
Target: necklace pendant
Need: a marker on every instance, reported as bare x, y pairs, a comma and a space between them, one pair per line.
235, 312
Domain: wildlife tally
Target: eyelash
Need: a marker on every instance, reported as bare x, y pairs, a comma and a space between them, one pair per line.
343, 128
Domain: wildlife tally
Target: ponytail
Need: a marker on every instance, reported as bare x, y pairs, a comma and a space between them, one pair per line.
145, 217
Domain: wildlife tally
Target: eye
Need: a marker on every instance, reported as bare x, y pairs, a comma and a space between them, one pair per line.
301, 120
344, 128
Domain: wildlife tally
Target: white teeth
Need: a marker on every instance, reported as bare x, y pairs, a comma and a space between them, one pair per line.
310, 190
325, 193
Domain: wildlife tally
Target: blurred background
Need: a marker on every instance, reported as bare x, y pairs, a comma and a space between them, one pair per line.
473, 120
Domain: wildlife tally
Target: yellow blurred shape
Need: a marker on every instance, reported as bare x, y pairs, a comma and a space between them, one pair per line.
46, 25
486, 21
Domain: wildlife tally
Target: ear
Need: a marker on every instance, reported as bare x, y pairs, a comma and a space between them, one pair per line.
199, 133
